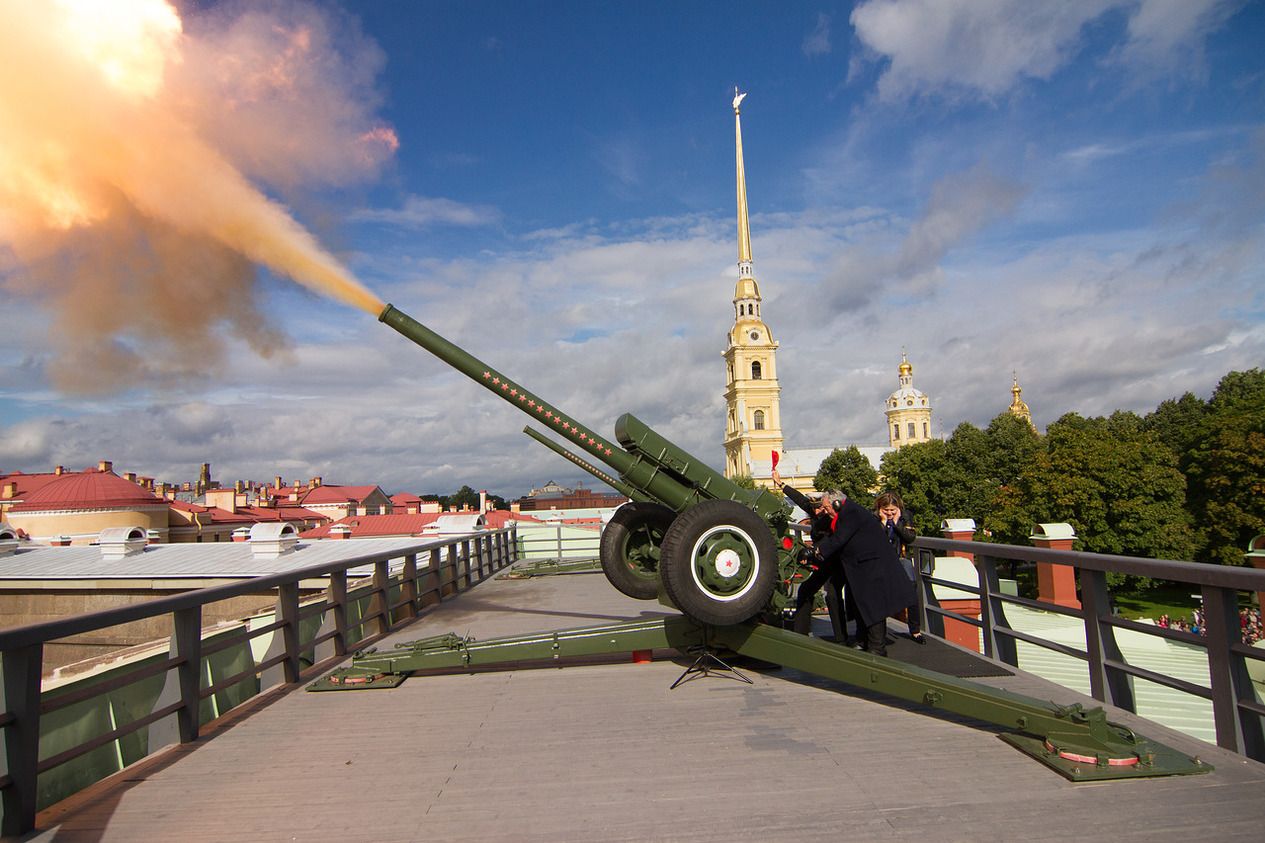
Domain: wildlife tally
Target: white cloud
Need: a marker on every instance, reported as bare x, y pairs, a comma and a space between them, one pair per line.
425, 211
817, 42
985, 49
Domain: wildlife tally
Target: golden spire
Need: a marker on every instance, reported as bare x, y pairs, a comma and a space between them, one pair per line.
744, 227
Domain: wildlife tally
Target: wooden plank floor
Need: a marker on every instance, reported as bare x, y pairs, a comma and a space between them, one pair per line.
608, 752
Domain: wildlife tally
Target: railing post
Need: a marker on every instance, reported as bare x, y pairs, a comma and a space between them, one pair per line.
558, 528
288, 615
932, 622
993, 615
448, 571
186, 638
1230, 679
465, 565
408, 586
336, 603
432, 591
1106, 684
379, 598
21, 668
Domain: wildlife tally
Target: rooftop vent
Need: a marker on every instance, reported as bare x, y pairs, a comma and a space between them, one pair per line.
118, 542
457, 524
272, 538
8, 539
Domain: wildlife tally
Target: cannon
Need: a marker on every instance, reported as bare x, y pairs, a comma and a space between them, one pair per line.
726, 558
691, 537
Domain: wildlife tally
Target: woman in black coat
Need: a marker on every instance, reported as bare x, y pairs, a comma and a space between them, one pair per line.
890, 510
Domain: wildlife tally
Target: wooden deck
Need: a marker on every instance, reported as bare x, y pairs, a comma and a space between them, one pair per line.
608, 752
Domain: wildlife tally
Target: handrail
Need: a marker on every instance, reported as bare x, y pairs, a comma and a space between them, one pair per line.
1237, 714
454, 563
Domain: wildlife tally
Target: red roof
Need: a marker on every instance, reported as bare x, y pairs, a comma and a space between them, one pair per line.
28, 483
337, 494
89, 489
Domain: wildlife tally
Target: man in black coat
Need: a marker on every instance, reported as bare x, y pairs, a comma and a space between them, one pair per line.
878, 585
828, 569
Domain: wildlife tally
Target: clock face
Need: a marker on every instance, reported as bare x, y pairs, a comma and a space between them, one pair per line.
755, 336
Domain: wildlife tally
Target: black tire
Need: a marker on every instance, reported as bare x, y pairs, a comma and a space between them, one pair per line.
719, 563
629, 549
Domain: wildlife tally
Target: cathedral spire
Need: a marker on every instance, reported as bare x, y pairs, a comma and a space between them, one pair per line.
754, 429
744, 225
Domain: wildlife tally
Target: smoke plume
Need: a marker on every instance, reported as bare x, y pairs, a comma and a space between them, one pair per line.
143, 160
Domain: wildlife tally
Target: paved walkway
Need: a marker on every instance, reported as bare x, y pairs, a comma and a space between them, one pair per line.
607, 752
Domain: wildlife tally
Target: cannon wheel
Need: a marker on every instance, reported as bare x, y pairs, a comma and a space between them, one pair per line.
719, 563
629, 549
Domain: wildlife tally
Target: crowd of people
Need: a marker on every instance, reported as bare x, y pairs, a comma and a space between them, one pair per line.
1249, 623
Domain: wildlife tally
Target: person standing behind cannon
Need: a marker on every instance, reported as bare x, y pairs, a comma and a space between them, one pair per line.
878, 584
828, 569
890, 510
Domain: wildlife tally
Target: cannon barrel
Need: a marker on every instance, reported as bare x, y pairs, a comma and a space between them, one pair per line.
660, 470
618, 485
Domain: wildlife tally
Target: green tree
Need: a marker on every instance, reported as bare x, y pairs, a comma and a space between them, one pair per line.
465, 496
744, 481
1225, 468
1117, 485
848, 471
1013, 449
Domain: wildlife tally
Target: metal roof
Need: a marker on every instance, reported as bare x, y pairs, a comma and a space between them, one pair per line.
228, 560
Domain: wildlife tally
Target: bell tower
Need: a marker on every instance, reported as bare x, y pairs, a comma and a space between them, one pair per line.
908, 410
753, 429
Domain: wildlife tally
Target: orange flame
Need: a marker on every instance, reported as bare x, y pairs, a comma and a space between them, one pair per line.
110, 160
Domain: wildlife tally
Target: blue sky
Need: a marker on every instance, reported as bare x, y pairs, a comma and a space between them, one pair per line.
1073, 192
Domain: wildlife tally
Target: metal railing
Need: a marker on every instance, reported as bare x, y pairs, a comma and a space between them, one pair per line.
1237, 713
394, 594
558, 541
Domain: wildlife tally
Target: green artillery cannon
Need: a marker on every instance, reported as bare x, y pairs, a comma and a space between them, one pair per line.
723, 554
727, 557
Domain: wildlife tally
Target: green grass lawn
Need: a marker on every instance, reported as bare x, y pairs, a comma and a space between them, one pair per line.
1172, 600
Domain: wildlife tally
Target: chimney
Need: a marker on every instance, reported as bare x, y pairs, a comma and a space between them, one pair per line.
129, 476
10, 490
60, 541
277, 483
483, 501
316, 481
340, 531
105, 465
59, 470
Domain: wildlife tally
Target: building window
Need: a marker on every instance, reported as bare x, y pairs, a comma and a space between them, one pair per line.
895, 431
925, 433
758, 419
755, 371
913, 431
